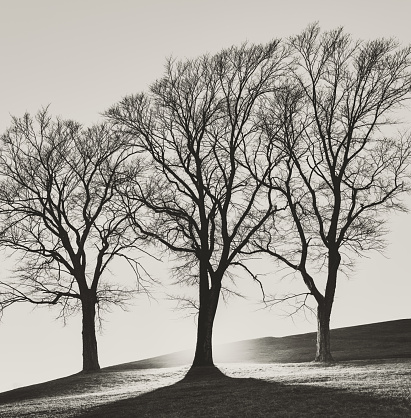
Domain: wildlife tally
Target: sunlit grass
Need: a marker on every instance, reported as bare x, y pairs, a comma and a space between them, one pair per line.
379, 388
71, 395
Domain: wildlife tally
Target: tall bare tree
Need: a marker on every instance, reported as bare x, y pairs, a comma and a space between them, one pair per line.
61, 214
195, 126
344, 167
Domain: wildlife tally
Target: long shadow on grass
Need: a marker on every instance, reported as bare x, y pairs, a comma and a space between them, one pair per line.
210, 393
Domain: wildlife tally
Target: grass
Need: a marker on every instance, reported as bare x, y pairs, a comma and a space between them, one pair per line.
378, 388
375, 387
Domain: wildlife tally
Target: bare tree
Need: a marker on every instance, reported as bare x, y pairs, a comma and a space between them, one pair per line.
203, 205
61, 214
343, 168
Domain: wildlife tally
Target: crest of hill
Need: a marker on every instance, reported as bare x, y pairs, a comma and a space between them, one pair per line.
380, 340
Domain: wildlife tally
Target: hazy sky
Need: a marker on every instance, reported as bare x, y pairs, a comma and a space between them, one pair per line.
80, 57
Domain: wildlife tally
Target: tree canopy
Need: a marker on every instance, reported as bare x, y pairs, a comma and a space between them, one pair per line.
62, 214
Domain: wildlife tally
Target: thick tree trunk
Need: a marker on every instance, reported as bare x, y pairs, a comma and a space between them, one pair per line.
204, 349
90, 354
323, 353
208, 306
324, 309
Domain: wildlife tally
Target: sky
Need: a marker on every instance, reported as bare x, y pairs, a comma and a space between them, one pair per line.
81, 56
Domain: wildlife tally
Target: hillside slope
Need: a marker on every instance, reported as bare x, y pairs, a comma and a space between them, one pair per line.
382, 367
390, 339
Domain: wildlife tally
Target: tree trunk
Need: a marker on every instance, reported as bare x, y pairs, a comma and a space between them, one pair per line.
204, 349
208, 306
90, 354
324, 309
323, 353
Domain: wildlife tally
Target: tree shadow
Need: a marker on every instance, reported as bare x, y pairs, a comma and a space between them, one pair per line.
207, 392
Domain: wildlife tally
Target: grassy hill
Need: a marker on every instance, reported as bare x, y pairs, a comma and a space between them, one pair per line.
372, 341
255, 378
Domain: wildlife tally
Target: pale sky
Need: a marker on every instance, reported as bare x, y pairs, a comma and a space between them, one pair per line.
80, 57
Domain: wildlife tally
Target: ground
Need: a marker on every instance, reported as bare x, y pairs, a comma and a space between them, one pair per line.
373, 388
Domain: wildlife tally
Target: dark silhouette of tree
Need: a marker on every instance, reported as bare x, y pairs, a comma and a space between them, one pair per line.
202, 203
61, 213
343, 168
